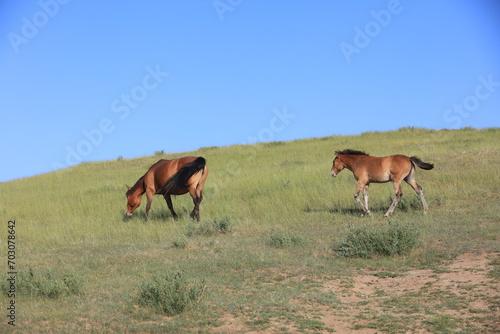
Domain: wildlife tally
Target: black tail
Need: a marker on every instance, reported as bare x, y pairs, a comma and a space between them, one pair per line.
179, 179
421, 164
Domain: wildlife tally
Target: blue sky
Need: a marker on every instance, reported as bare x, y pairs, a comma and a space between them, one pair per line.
89, 81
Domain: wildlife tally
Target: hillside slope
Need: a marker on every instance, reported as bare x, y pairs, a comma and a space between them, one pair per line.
72, 220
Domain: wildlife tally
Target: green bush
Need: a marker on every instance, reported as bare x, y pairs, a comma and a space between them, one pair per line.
284, 240
366, 241
170, 293
48, 283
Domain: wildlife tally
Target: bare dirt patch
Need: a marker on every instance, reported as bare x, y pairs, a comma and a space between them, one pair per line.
459, 297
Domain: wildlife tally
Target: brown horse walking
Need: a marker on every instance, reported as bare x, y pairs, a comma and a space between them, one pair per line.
368, 169
170, 177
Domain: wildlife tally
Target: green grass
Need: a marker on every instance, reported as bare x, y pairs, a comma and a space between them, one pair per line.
270, 215
284, 240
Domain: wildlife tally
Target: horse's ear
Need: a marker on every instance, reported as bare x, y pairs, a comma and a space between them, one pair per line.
128, 188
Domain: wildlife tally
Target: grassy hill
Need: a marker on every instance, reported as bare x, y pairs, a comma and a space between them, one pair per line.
265, 250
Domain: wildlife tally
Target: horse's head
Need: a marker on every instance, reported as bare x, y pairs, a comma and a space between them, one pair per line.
338, 165
133, 202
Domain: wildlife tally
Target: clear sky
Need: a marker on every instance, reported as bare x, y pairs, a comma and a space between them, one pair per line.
96, 80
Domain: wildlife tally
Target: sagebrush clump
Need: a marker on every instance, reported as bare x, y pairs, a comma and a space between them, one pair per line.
367, 241
170, 293
48, 283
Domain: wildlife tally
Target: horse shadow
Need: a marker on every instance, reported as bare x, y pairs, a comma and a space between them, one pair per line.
160, 215
352, 211
407, 205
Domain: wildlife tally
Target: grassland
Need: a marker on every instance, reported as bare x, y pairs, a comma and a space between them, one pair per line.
274, 266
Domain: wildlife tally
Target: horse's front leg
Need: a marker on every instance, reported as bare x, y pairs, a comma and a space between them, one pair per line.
365, 196
356, 198
149, 195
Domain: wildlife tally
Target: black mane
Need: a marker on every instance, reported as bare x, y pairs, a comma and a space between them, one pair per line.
351, 152
135, 186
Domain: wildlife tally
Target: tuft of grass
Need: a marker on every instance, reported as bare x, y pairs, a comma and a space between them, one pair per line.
285, 240
170, 293
495, 272
442, 324
180, 242
366, 241
210, 228
386, 274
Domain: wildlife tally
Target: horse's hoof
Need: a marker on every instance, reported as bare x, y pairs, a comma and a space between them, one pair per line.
367, 213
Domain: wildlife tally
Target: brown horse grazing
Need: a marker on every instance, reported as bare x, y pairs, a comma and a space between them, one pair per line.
368, 169
170, 177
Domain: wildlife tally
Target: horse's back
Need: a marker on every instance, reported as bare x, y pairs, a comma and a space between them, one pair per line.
400, 165
164, 169
384, 169
400, 161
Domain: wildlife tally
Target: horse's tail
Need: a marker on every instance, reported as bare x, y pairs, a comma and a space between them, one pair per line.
421, 164
179, 179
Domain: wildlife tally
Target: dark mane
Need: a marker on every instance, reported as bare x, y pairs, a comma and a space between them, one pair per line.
351, 152
139, 183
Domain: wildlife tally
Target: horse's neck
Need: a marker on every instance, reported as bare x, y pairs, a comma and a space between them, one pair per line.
138, 187
351, 162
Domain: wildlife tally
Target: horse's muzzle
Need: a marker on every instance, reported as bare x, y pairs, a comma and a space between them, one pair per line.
127, 214
333, 174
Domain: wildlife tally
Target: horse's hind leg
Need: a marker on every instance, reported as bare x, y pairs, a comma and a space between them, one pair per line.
397, 197
197, 196
168, 199
419, 191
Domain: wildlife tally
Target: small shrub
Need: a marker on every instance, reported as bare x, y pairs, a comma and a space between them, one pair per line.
210, 228
170, 293
160, 152
366, 241
48, 283
207, 148
284, 240
73, 283
274, 143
